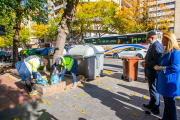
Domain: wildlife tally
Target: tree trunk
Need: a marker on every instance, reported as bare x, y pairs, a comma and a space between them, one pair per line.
16, 40
63, 27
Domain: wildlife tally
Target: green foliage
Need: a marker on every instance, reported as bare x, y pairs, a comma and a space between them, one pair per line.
99, 13
39, 30
6, 19
53, 25
24, 35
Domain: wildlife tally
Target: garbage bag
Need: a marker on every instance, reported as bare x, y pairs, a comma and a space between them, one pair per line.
41, 80
31, 52
41, 51
22, 52
55, 79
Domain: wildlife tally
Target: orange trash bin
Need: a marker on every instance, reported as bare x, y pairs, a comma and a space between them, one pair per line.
130, 68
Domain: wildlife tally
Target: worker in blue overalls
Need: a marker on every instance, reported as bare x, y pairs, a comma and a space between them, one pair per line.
68, 64
28, 67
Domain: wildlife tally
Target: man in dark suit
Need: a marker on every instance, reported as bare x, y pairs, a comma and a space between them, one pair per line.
151, 59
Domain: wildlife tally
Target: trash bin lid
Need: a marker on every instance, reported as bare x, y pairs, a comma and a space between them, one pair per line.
130, 58
85, 51
81, 51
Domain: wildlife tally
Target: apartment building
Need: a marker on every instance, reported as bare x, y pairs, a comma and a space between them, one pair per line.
177, 20
156, 12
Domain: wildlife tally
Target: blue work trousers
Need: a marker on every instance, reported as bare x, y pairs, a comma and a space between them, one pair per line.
74, 78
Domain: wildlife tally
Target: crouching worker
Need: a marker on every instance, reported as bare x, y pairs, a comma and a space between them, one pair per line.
67, 64
28, 67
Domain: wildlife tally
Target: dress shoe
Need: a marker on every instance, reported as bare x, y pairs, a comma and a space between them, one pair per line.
148, 106
155, 110
159, 118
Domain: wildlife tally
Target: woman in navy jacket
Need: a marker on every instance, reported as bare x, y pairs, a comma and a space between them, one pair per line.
168, 83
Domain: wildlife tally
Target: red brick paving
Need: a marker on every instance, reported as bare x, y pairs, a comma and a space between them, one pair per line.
12, 92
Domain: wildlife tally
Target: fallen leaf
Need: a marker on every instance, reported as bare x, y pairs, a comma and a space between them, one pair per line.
99, 84
56, 97
81, 94
108, 88
133, 94
65, 88
144, 96
114, 72
134, 114
83, 111
75, 96
16, 118
37, 101
68, 80
126, 99
7, 80
30, 95
49, 102
109, 78
177, 99
10, 92
74, 106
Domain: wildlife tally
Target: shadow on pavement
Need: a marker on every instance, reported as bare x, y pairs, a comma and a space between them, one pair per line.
111, 65
26, 111
119, 102
45, 115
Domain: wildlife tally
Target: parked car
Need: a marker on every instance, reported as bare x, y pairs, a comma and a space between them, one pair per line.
133, 51
7, 56
2, 56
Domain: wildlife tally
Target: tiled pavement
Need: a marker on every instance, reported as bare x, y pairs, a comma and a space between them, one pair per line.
107, 98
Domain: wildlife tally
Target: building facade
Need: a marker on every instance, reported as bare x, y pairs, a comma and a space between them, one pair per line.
177, 20
156, 11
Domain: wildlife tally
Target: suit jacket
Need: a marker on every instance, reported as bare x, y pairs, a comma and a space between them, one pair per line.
152, 57
168, 83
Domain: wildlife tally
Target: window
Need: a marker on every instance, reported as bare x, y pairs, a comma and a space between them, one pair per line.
138, 49
95, 27
127, 49
94, 41
132, 49
105, 40
142, 39
126, 41
122, 40
113, 42
132, 39
98, 41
